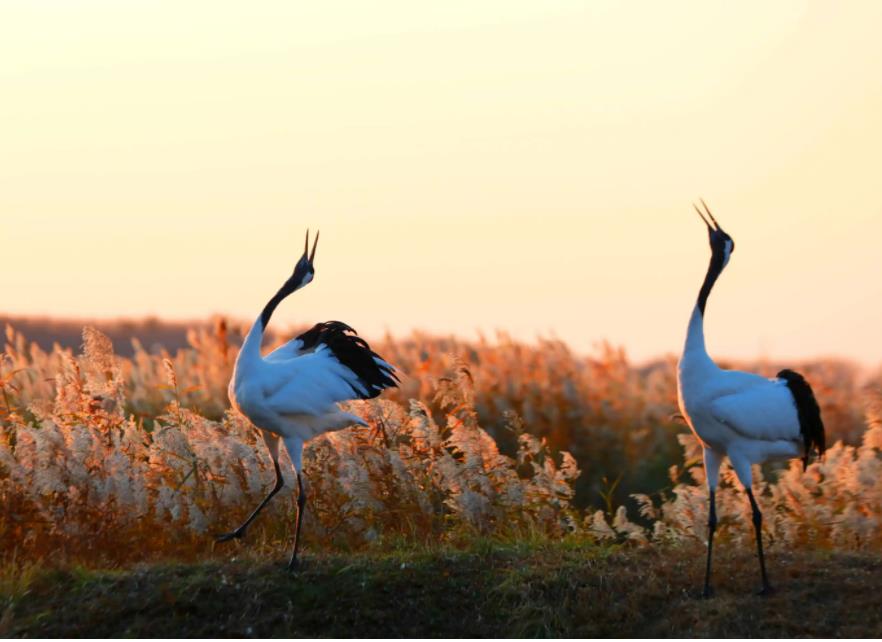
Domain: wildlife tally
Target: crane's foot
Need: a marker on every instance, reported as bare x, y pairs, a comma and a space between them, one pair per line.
295, 566
239, 533
707, 594
765, 591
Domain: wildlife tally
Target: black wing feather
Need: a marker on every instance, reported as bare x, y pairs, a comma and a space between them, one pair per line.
354, 353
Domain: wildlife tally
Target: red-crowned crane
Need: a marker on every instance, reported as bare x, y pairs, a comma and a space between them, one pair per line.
742, 416
291, 394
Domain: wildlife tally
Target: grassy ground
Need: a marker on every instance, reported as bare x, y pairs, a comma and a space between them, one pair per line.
491, 590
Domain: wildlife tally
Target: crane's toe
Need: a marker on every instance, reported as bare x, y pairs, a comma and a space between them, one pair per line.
707, 593
226, 537
765, 591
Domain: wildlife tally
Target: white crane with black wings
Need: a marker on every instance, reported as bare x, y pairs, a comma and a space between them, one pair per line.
748, 418
291, 394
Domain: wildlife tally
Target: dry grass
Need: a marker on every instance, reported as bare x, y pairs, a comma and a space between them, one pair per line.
106, 459
85, 476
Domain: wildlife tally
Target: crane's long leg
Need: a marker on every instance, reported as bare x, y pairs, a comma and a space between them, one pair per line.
758, 528
294, 446
272, 444
301, 506
711, 529
240, 532
712, 463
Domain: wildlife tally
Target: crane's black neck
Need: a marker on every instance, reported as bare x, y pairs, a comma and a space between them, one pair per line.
273, 303
713, 273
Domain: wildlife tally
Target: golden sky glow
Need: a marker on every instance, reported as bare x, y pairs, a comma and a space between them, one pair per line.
471, 165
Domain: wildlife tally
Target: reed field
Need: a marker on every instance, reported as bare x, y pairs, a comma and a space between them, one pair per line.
108, 462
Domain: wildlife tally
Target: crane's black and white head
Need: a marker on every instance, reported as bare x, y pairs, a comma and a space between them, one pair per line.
303, 274
721, 243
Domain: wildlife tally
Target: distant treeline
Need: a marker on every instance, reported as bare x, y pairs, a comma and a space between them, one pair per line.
153, 333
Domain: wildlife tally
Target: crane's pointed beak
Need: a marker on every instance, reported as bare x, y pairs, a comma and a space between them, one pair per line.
306, 244
707, 209
703, 218
315, 245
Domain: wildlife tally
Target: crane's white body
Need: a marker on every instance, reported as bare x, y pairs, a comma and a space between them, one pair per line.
740, 415
292, 393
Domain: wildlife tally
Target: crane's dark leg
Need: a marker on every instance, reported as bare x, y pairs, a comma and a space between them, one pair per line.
240, 532
711, 528
301, 505
758, 528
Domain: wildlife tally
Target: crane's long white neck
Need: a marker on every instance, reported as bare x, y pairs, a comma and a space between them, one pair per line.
695, 350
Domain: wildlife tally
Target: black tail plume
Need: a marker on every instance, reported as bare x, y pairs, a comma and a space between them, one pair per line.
810, 424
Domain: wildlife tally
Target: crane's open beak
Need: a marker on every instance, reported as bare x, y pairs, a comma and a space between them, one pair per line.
310, 256
314, 245
713, 228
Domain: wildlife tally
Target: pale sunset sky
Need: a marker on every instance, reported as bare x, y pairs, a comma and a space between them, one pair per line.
526, 166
